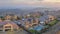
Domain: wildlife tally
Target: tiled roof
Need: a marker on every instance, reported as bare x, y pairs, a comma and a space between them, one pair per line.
43, 18
5, 22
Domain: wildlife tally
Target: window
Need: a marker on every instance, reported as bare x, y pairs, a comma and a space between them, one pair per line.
7, 26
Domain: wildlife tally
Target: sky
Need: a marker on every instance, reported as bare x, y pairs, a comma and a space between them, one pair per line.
27, 3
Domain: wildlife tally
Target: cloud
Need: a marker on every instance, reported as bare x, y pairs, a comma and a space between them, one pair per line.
30, 2
26, 1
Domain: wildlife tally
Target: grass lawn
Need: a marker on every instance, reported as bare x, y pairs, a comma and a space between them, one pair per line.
53, 22
35, 32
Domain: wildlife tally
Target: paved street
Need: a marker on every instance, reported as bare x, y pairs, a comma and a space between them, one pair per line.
54, 29
14, 32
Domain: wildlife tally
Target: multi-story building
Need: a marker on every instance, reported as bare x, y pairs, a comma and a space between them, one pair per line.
51, 18
8, 25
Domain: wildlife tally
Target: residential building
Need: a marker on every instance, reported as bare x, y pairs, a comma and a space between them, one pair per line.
7, 17
46, 19
35, 21
51, 18
10, 17
1, 20
8, 25
43, 19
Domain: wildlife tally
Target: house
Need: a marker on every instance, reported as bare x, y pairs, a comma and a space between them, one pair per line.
31, 21
17, 22
28, 22
11, 16
8, 25
1, 20
46, 19
27, 25
35, 21
51, 17
7, 17
43, 19
15, 17
36, 14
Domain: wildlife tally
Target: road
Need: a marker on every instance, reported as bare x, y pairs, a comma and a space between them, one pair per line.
54, 29
14, 32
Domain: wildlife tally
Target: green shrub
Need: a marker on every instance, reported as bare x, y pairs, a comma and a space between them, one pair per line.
53, 22
34, 32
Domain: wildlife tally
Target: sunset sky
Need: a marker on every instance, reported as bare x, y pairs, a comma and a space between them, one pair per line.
16, 3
